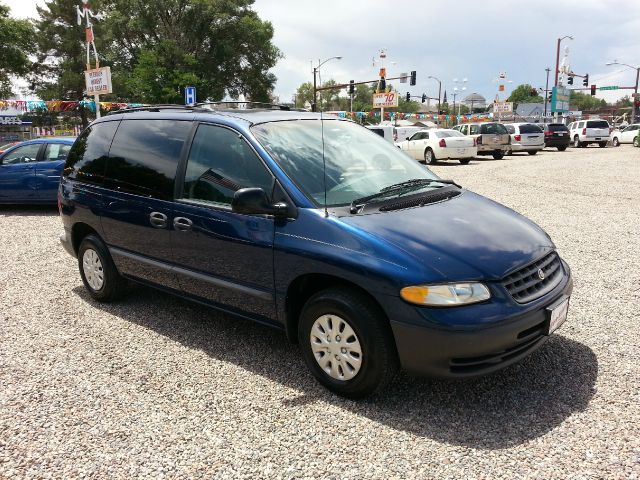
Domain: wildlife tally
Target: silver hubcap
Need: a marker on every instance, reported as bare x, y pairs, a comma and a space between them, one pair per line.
92, 268
428, 156
336, 347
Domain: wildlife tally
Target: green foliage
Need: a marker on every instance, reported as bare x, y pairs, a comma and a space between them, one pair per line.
15, 46
304, 95
525, 94
583, 101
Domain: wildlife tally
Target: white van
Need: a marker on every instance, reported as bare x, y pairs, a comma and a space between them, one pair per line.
393, 134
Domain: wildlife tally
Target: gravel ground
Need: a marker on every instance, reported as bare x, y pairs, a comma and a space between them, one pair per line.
155, 386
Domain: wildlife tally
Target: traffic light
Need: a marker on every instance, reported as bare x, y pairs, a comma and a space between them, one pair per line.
593, 89
412, 80
570, 81
352, 88
408, 97
424, 97
383, 84
585, 81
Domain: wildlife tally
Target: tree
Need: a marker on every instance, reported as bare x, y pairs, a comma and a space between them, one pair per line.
15, 47
525, 93
583, 101
304, 95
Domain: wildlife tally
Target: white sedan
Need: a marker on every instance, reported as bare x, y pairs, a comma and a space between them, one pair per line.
439, 144
626, 135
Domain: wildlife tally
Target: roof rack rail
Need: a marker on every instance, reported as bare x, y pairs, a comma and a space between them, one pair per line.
153, 108
273, 106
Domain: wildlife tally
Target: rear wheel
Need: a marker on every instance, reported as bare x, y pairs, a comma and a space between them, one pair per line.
602, 144
562, 149
576, 142
636, 142
98, 272
498, 155
532, 152
429, 157
347, 343
465, 161
615, 142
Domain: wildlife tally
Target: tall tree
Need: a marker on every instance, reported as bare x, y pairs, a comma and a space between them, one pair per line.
15, 46
304, 95
525, 93
582, 101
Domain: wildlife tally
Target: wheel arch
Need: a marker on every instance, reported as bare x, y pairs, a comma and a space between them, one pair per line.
305, 286
78, 232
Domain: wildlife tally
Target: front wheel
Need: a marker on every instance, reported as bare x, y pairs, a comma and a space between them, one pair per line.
429, 157
532, 152
602, 144
347, 343
98, 272
636, 142
465, 161
615, 142
498, 155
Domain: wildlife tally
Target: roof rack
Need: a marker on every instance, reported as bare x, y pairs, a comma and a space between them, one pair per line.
153, 108
273, 106
201, 107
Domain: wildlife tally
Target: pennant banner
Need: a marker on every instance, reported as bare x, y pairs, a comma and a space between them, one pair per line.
61, 105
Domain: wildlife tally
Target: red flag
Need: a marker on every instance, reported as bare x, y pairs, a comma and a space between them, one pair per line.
89, 34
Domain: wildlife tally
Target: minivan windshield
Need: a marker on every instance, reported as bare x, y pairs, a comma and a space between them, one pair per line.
358, 162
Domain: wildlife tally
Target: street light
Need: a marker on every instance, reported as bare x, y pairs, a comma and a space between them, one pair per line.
439, 90
558, 56
635, 98
316, 69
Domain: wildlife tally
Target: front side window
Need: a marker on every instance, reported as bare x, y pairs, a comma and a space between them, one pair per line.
87, 159
56, 151
24, 154
144, 157
355, 164
220, 163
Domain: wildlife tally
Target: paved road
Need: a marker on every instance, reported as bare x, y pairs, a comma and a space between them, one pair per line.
157, 387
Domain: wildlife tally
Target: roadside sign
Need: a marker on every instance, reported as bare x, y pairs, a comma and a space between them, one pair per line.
560, 99
612, 87
385, 100
189, 95
503, 107
98, 81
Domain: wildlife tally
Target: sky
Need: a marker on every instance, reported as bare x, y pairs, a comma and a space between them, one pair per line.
447, 39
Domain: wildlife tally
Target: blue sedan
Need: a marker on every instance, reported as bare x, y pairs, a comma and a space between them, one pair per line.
30, 171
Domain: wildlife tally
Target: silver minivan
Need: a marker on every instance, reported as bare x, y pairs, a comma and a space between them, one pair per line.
526, 137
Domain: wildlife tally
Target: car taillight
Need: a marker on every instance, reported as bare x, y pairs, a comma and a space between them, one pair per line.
548, 134
442, 143
517, 138
584, 131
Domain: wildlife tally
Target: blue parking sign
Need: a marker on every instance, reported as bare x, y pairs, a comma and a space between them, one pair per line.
189, 95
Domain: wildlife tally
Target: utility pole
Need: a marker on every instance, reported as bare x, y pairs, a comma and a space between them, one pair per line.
546, 94
314, 107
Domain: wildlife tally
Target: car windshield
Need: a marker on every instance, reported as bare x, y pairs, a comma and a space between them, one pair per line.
358, 162
448, 133
556, 127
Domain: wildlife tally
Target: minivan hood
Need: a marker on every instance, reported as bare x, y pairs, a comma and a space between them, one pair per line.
466, 237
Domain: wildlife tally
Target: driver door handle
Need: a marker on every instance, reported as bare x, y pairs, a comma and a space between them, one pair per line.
182, 224
158, 220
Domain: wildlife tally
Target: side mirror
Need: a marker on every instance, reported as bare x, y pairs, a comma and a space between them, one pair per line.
406, 138
254, 201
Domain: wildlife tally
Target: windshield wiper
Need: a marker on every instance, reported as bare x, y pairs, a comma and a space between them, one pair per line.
398, 187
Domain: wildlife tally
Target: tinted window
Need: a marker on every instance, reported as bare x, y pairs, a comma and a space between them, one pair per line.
493, 129
510, 128
597, 124
379, 131
24, 154
530, 128
56, 151
144, 157
87, 158
474, 129
556, 127
220, 163
416, 136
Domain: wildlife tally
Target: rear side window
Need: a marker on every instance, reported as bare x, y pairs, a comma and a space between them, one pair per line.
597, 124
510, 128
379, 131
56, 151
87, 159
220, 163
144, 157
530, 128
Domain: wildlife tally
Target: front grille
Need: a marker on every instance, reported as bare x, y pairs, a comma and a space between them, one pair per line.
525, 284
529, 340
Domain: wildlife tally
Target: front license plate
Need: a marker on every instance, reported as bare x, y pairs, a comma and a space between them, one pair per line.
557, 315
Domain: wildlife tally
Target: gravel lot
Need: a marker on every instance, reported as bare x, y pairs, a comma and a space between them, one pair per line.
155, 386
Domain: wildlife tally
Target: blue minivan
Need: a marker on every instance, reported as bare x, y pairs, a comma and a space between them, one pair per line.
318, 227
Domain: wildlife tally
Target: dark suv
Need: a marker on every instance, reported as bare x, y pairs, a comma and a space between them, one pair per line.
556, 135
317, 227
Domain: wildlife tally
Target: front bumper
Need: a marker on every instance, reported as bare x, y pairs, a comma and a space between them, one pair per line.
455, 353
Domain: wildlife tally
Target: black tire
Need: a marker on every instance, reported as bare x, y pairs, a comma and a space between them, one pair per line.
562, 149
379, 360
113, 285
636, 142
465, 161
602, 144
532, 152
498, 155
576, 142
615, 142
430, 157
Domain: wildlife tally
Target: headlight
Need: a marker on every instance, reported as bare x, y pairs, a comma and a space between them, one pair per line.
446, 295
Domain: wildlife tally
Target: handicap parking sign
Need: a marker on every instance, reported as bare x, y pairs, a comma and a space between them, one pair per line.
189, 95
